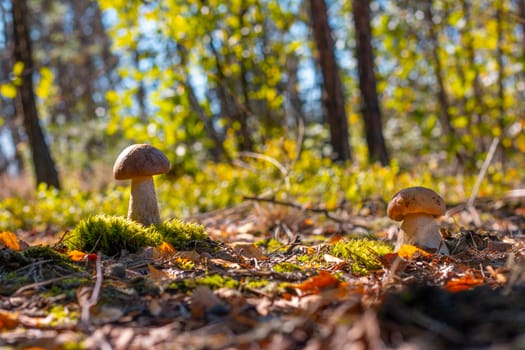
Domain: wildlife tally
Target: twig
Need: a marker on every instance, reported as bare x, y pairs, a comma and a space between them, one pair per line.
272, 161
93, 299
40, 284
470, 203
483, 170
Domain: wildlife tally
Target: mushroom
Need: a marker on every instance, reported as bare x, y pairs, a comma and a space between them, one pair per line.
418, 208
139, 163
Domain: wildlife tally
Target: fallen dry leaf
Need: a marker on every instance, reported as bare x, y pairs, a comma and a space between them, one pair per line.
8, 320
247, 250
156, 274
203, 300
165, 250
463, 283
190, 255
317, 283
407, 251
9, 240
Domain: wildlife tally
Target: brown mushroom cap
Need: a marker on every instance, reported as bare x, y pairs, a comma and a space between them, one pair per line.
140, 160
415, 200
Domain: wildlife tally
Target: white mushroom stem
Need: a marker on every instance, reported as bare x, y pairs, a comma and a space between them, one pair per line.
143, 201
422, 230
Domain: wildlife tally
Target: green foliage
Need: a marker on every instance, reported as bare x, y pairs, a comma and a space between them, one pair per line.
110, 235
312, 181
362, 253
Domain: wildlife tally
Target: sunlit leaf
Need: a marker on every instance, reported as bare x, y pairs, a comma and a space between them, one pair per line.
9, 240
18, 68
315, 284
77, 255
407, 251
165, 250
8, 320
8, 90
463, 283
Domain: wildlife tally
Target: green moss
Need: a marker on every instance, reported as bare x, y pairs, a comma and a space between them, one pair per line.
286, 266
255, 283
217, 281
62, 316
214, 281
110, 235
180, 234
362, 253
271, 245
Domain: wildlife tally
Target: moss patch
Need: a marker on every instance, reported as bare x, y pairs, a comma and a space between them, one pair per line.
180, 234
362, 253
112, 234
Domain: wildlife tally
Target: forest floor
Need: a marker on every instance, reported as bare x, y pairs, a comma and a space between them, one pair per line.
287, 291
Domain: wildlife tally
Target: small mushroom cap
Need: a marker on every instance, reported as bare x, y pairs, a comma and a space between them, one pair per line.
415, 200
140, 160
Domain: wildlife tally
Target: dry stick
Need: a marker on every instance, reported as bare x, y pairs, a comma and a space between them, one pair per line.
479, 180
94, 295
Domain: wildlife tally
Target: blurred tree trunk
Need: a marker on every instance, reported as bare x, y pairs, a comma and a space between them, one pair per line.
479, 107
367, 83
44, 165
218, 151
333, 97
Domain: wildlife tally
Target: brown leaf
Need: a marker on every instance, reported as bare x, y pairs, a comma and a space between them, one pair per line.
190, 255
202, 300
156, 274
247, 250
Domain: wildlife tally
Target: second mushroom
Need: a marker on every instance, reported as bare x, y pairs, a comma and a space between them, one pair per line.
140, 163
418, 208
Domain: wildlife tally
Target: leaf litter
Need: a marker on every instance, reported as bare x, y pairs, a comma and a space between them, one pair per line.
271, 279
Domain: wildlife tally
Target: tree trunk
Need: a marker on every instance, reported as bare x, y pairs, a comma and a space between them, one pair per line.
218, 150
367, 83
333, 97
44, 165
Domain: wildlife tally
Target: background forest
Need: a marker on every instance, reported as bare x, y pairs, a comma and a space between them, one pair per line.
325, 102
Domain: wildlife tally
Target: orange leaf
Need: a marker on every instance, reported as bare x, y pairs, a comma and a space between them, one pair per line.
335, 238
165, 250
77, 255
8, 320
9, 240
407, 251
463, 283
316, 283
